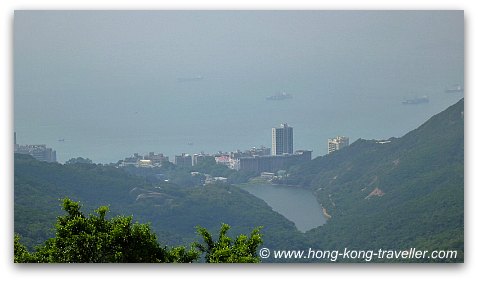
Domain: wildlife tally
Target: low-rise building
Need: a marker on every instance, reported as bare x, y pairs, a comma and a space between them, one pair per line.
144, 163
261, 151
273, 163
267, 175
337, 143
210, 179
156, 159
147, 161
183, 160
200, 158
223, 160
38, 151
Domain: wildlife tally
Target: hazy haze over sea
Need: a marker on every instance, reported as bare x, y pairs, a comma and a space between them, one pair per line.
107, 82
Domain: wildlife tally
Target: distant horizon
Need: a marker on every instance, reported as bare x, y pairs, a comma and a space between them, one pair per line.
112, 83
218, 151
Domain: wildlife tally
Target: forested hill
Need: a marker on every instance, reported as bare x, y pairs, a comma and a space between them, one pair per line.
395, 194
174, 211
398, 193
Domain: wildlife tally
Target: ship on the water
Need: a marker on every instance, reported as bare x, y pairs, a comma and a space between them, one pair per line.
279, 96
457, 88
418, 100
190, 79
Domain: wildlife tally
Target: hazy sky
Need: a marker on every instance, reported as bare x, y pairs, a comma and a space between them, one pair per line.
113, 75
144, 44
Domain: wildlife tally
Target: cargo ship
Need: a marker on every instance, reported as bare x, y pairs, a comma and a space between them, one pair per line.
190, 79
279, 96
419, 100
457, 88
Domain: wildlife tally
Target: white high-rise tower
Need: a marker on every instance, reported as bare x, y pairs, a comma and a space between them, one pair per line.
282, 140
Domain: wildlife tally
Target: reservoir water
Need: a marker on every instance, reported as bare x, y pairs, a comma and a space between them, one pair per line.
298, 205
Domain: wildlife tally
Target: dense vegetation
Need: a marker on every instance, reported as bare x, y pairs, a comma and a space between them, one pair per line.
95, 239
39, 186
242, 250
408, 192
173, 211
182, 175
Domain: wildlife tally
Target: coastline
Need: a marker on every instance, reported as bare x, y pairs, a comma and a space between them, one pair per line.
326, 215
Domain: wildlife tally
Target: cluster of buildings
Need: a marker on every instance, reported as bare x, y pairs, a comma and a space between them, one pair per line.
273, 163
146, 161
337, 143
39, 151
258, 160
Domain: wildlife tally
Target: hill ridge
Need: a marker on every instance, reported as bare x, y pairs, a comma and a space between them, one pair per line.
417, 180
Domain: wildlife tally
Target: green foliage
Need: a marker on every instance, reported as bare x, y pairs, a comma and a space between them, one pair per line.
173, 211
209, 166
20, 252
95, 239
182, 175
38, 185
242, 250
421, 176
79, 160
178, 210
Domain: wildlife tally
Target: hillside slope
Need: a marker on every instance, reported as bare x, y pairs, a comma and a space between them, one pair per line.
405, 192
172, 210
402, 193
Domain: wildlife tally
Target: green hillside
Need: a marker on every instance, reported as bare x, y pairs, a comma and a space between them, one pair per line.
39, 186
397, 194
173, 211
401, 193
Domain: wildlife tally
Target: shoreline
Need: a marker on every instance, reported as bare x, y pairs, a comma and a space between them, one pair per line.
326, 215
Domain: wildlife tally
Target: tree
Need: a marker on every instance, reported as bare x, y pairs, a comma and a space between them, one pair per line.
81, 239
21, 254
79, 160
96, 239
224, 250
